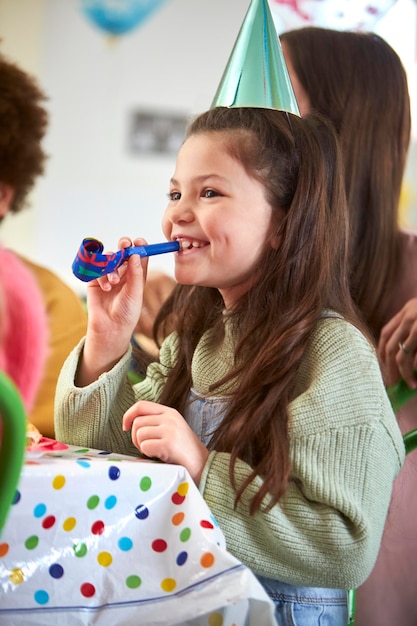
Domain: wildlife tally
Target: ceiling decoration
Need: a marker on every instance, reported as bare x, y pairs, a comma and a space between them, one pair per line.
336, 14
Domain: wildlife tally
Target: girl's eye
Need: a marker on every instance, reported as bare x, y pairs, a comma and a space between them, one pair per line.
174, 195
210, 193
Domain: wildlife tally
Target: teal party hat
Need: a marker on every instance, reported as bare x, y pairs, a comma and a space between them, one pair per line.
256, 74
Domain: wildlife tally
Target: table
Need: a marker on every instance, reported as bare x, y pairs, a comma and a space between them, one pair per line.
108, 539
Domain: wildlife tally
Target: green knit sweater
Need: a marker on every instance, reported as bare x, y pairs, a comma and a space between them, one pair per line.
345, 447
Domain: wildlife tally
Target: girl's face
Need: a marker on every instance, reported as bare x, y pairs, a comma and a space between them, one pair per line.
219, 214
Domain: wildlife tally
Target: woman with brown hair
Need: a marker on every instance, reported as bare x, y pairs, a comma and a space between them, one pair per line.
358, 82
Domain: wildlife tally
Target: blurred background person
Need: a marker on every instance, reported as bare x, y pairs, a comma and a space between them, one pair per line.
23, 331
23, 123
357, 80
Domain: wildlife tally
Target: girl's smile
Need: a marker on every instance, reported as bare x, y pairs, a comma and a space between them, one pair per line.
220, 216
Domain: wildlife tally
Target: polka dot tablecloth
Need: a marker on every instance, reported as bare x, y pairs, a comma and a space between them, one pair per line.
105, 539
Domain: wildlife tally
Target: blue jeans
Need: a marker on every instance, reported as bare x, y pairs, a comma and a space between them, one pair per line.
306, 606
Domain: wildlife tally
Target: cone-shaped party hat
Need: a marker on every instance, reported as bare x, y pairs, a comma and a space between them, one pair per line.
256, 74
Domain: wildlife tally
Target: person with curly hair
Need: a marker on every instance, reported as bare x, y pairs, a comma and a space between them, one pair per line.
23, 124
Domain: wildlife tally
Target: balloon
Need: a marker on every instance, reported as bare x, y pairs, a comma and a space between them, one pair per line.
118, 17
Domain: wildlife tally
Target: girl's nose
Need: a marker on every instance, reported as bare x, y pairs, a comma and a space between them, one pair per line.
180, 212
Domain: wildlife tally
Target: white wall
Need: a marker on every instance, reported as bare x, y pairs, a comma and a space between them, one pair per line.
93, 185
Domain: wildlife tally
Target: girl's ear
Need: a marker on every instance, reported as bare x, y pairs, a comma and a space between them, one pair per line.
6, 198
275, 242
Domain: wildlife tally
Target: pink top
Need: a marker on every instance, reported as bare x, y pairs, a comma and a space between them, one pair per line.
23, 326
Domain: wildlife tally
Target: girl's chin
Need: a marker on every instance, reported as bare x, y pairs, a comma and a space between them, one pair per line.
184, 278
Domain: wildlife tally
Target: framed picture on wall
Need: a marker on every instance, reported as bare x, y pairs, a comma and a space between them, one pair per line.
155, 132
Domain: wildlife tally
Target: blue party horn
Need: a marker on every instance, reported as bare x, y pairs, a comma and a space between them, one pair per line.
90, 262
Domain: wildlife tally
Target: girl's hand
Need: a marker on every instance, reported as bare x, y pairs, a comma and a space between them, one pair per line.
161, 432
114, 305
398, 344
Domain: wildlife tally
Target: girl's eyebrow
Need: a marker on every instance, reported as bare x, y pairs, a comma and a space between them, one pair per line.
202, 178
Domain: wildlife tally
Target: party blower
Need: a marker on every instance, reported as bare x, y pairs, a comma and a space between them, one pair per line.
91, 263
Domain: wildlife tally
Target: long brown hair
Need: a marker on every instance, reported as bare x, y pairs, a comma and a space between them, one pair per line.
298, 162
358, 82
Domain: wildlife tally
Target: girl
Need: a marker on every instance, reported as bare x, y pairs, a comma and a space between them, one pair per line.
267, 391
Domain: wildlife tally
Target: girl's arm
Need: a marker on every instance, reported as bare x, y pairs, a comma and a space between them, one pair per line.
92, 416
114, 304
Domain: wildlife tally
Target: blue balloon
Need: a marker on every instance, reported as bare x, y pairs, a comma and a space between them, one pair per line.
121, 16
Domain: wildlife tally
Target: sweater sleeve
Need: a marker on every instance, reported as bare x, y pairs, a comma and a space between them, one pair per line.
346, 450
92, 416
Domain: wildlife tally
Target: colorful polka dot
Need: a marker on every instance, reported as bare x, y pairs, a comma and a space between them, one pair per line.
215, 522
16, 576
4, 548
183, 489
177, 519
110, 502
141, 511
56, 570
105, 559
159, 545
185, 534
84, 463
207, 560
133, 582
58, 482
125, 544
48, 522
31, 542
97, 528
204, 523
69, 524
177, 498
182, 558
93, 502
87, 590
41, 597
114, 472
80, 549
39, 510
215, 619
145, 483
168, 584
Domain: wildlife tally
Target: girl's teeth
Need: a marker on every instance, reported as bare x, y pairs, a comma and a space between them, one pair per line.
186, 245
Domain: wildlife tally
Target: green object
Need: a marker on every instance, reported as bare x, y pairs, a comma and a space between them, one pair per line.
400, 393
12, 443
351, 606
256, 74
134, 377
410, 441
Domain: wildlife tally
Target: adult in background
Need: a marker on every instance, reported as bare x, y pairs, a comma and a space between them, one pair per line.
357, 80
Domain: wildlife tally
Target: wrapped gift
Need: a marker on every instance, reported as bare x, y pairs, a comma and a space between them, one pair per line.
99, 538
